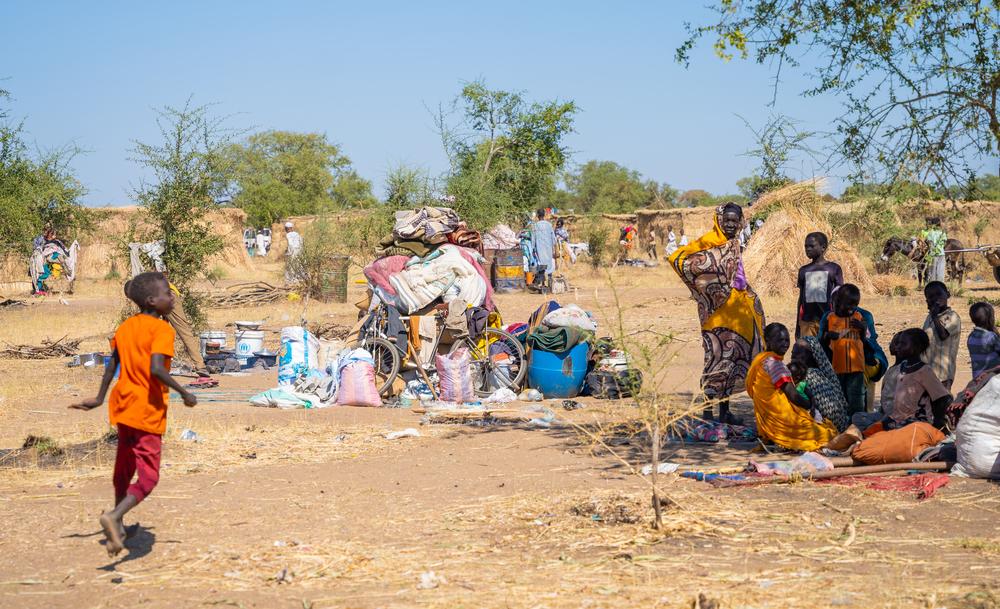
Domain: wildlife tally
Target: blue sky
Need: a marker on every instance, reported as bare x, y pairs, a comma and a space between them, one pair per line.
92, 74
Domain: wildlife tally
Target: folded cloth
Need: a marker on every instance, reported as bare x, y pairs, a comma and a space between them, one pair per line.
557, 340
428, 224
922, 485
477, 261
415, 246
445, 274
570, 316
500, 237
466, 237
378, 272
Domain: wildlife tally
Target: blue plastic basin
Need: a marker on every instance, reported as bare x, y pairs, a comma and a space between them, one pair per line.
558, 375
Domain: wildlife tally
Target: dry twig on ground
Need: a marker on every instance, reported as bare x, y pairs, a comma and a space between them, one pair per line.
47, 350
248, 294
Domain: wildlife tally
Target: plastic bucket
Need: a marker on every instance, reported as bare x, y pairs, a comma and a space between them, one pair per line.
559, 375
248, 342
215, 338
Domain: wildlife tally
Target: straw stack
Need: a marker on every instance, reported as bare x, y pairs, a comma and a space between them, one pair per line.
775, 252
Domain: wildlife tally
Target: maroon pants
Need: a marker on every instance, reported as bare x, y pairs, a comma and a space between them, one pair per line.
138, 453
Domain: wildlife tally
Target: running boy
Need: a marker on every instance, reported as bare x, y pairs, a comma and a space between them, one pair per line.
817, 282
984, 343
944, 329
842, 333
143, 345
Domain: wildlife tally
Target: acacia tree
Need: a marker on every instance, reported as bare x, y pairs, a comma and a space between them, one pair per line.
606, 186
191, 171
505, 152
36, 190
918, 78
282, 173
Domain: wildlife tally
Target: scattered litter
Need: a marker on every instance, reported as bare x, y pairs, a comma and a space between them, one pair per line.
235, 374
189, 435
283, 577
409, 432
571, 405
10, 302
501, 396
430, 580
64, 302
280, 544
662, 468
531, 395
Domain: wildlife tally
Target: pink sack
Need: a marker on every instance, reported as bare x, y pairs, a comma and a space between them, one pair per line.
456, 376
357, 386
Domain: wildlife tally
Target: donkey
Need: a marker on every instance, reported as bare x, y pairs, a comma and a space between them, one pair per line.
916, 251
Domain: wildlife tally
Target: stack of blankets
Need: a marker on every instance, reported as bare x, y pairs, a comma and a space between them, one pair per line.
446, 263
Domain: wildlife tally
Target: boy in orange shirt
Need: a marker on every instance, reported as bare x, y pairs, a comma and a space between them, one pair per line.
842, 332
143, 345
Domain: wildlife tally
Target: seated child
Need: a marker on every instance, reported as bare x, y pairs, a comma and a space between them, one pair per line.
817, 282
919, 395
944, 329
842, 333
984, 343
799, 373
864, 420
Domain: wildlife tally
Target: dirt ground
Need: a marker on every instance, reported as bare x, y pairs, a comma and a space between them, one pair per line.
316, 508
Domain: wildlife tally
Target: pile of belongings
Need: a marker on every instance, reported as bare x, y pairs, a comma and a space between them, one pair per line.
51, 259
558, 329
345, 378
500, 237
611, 375
446, 264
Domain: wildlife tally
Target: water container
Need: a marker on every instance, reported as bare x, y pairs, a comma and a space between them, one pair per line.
558, 375
216, 338
248, 342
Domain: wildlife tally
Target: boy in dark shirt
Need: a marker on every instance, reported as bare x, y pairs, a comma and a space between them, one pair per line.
817, 281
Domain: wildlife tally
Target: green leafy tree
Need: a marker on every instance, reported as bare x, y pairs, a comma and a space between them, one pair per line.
191, 170
694, 197
36, 191
776, 142
607, 187
282, 173
919, 79
505, 152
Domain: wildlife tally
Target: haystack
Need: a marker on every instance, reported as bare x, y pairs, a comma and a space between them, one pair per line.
775, 251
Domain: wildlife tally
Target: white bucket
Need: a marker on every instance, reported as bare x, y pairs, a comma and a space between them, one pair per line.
216, 338
248, 342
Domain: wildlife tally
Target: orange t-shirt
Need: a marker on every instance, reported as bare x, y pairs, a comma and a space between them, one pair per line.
139, 400
848, 351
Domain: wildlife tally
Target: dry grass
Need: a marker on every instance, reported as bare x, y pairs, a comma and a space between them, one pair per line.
774, 254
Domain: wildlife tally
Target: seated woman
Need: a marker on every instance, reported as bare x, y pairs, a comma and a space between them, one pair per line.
782, 414
825, 393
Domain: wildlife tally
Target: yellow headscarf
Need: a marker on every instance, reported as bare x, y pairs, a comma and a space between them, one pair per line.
713, 238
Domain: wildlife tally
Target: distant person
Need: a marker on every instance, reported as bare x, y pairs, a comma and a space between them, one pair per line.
983, 342
944, 329
262, 244
294, 240
684, 239
142, 346
841, 332
651, 245
671, 241
936, 239
817, 282
562, 242
543, 240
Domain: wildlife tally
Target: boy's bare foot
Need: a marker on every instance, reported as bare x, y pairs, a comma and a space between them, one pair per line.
114, 533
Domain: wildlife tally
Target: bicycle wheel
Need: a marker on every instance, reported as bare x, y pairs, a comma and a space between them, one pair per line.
386, 361
502, 364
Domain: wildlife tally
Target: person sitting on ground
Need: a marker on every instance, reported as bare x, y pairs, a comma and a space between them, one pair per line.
944, 329
817, 282
783, 416
800, 378
864, 420
841, 332
142, 346
983, 342
919, 395
825, 393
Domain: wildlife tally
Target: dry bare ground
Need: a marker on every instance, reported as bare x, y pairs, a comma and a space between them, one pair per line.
318, 509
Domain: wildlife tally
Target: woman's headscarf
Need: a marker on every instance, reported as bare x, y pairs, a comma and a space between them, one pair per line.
827, 395
714, 238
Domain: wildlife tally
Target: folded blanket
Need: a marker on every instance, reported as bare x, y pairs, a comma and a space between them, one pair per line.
444, 274
557, 340
379, 272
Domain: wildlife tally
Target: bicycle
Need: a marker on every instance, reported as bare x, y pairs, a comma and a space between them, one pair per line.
498, 359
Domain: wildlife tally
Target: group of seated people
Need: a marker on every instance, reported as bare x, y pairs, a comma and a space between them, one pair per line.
826, 390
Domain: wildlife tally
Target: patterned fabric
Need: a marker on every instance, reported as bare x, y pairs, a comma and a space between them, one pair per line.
731, 315
942, 355
778, 371
936, 240
827, 396
984, 350
778, 419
